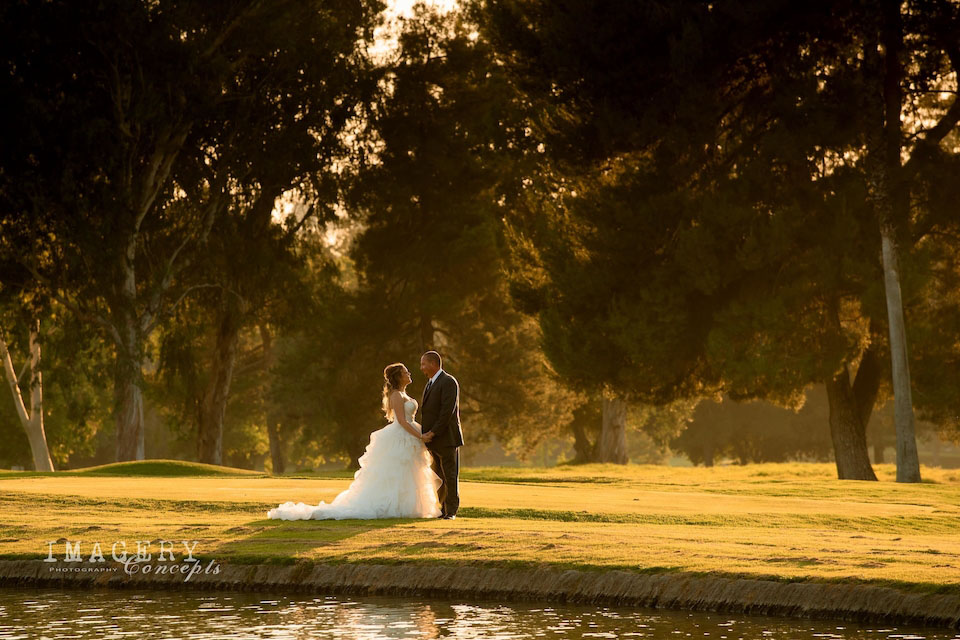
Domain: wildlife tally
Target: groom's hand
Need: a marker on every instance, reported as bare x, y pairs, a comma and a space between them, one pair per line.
428, 436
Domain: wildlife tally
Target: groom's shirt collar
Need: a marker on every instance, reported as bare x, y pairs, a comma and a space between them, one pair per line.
435, 376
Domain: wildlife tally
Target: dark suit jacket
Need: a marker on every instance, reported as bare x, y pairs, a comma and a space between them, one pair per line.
440, 412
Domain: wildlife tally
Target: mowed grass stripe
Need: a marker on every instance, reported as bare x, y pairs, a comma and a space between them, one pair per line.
945, 524
644, 519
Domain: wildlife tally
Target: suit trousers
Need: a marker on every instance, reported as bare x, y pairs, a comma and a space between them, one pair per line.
446, 464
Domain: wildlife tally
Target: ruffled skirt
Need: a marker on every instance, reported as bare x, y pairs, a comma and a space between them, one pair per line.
395, 480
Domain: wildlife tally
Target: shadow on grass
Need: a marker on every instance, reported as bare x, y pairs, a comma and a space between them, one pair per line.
287, 541
505, 475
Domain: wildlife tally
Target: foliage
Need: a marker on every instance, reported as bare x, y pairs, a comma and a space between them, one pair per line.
432, 253
705, 221
77, 403
134, 127
756, 432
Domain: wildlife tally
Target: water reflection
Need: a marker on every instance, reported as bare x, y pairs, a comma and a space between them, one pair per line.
161, 614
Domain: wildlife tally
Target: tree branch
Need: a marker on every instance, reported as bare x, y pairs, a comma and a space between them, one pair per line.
481, 402
947, 123
171, 268
231, 26
152, 321
12, 381
82, 314
160, 167
295, 229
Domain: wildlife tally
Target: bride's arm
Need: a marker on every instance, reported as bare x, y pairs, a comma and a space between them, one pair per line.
396, 403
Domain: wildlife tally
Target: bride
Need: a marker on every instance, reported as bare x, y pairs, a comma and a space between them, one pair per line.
395, 479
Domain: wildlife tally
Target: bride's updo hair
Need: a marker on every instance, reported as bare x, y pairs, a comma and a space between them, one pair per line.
392, 376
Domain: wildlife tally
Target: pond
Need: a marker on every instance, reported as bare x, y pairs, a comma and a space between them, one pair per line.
47, 613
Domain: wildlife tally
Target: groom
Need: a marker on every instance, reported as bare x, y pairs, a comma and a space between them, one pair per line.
440, 414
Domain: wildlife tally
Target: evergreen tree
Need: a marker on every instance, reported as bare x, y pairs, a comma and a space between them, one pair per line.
432, 251
726, 238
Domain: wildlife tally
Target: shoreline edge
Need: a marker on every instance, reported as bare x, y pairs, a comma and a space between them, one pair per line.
676, 591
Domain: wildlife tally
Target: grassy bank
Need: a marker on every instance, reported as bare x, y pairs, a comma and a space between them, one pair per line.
785, 522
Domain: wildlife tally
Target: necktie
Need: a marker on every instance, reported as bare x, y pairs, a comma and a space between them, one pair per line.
427, 390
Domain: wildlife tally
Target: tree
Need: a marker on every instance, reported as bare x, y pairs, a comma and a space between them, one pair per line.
296, 147
422, 266
934, 314
131, 118
883, 58
55, 415
31, 419
264, 287
231, 331
16, 296
600, 83
278, 456
432, 250
648, 429
735, 147
756, 432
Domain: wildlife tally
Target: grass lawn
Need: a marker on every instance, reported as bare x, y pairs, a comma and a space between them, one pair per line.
779, 521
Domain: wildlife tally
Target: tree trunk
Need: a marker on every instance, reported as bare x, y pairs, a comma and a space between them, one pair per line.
35, 431
708, 454
354, 450
847, 431
866, 385
890, 202
276, 445
31, 422
128, 388
583, 449
613, 432
213, 406
908, 461
128, 369
270, 414
128, 412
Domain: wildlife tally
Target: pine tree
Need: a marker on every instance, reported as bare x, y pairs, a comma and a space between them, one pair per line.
710, 218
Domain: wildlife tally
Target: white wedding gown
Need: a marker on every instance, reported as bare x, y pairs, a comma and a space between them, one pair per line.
395, 480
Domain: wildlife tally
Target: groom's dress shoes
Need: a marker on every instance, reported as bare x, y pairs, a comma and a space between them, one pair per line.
448, 517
